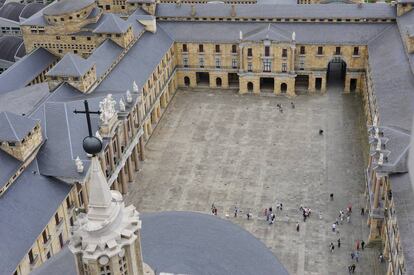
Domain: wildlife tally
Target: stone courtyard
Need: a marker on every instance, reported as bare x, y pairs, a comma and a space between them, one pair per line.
219, 147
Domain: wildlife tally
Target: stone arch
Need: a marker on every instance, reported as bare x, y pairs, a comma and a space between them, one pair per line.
218, 82
283, 88
186, 81
250, 87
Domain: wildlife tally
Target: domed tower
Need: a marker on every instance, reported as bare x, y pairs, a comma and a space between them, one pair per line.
106, 240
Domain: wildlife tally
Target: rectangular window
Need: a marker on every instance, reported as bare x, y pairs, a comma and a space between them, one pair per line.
320, 50
185, 48
73, 38
356, 50
217, 48
61, 240
267, 65
201, 62
234, 48
234, 63
217, 62
44, 236
284, 67
302, 50
284, 53
249, 67
201, 48
185, 62
267, 51
301, 65
338, 50
31, 257
57, 219
58, 37
249, 52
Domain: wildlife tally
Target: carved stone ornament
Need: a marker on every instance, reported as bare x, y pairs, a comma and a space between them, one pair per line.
107, 108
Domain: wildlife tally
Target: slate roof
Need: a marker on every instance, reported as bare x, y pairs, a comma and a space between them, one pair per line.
14, 128
392, 79
403, 195
37, 197
66, 6
31, 9
11, 11
71, 65
25, 70
23, 101
57, 155
9, 47
191, 243
112, 24
377, 10
104, 56
9, 166
269, 32
315, 33
139, 63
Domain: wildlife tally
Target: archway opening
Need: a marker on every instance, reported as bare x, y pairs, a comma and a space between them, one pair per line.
186, 81
318, 83
267, 84
203, 79
218, 82
250, 87
336, 73
283, 88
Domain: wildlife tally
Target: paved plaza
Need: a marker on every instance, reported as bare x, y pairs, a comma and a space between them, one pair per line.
231, 150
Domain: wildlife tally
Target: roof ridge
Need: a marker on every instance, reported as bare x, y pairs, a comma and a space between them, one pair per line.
378, 35
11, 126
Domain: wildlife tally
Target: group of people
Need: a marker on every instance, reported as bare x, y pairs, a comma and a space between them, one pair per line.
279, 106
306, 212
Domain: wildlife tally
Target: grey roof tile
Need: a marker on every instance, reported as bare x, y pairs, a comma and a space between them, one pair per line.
392, 79
71, 65
404, 206
305, 33
9, 47
66, 6
139, 62
14, 128
184, 243
9, 166
21, 73
378, 10
104, 56
11, 11
30, 9
23, 101
112, 24
269, 32
37, 197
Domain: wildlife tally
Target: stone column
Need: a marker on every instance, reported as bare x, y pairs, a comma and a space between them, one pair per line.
85, 196
347, 88
323, 86
123, 181
141, 148
111, 155
311, 84
241, 61
130, 170
118, 144
136, 157
376, 192
292, 59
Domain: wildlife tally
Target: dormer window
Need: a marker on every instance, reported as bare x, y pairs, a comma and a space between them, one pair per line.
12, 144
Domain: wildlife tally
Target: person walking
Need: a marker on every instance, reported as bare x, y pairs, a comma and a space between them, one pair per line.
235, 211
349, 269
353, 268
357, 256
248, 215
362, 244
332, 247
348, 219
333, 227
352, 255
297, 227
293, 105
331, 195
362, 211
357, 244
339, 243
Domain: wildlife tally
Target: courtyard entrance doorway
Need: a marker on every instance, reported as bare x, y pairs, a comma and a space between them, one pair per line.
203, 79
186, 81
233, 80
218, 82
250, 87
336, 73
301, 83
267, 84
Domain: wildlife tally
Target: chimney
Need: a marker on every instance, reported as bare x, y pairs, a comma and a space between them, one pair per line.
193, 10
241, 35
233, 11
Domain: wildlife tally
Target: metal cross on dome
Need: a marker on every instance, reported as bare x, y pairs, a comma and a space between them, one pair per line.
91, 144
